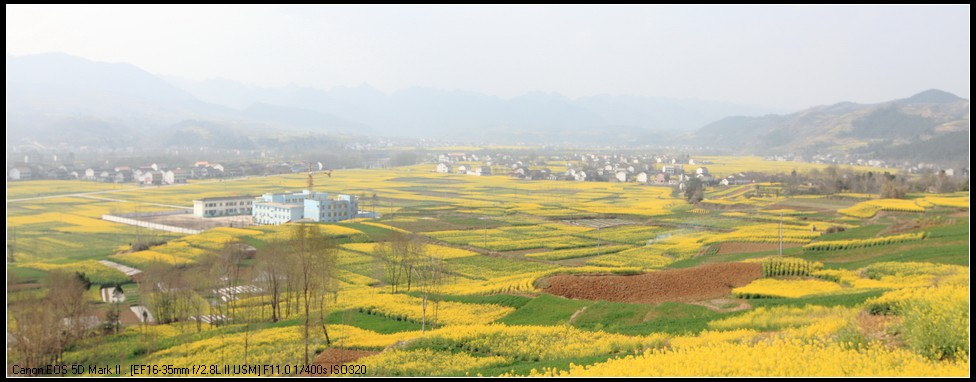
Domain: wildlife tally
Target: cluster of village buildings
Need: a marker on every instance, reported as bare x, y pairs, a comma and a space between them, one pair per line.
645, 169
153, 174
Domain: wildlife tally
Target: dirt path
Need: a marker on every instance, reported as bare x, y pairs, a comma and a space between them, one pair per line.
129, 271
572, 318
724, 305
703, 250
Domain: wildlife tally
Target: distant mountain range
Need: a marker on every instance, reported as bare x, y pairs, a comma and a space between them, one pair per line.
930, 126
48, 93
426, 112
57, 98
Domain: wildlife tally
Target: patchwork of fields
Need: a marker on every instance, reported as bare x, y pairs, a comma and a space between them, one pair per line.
885, 293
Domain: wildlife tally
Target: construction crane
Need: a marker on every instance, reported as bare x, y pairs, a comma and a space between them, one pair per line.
311, 183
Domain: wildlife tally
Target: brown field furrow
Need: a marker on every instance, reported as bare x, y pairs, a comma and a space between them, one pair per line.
338, 356
683, 285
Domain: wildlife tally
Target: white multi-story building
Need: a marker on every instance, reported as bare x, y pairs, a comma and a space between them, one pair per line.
277, 213
281, 208
223, 206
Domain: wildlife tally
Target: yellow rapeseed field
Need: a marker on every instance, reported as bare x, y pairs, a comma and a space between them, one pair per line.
770, 358
775, 288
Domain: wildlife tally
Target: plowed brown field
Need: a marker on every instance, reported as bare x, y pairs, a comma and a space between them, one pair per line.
692, 284
337, 356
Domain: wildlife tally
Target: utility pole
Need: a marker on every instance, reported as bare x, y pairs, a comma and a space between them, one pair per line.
598, 239
781, 235
310, 184
486, 233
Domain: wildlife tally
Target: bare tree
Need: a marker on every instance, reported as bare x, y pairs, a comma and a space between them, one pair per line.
157, 291
429, 272
389, 255
311, 253
168, 293
211, 267
246, 317
329, 287
230, 256
398, 256
46, 327
892, 188
272, 269
32, 342
66, 298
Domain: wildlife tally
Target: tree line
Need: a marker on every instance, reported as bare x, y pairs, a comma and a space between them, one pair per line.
295, 277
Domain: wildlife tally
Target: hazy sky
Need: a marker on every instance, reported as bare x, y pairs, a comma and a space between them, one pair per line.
776, 56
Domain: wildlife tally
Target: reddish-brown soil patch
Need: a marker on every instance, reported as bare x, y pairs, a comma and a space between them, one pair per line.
876, 328
732, 248
127, 317
23, 286
338, 356
692, 284
125, 314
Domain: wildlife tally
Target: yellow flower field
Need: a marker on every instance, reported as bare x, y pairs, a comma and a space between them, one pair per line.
95, 271
763, 288
831, 245
771, 358
438, 251
35, 188
408, 307
564, 254
870, 208
384, 226
516, 283
936, 320
961, 201
278, 346
765, 233
648, 257
780, 317
920, 308
425, 362
142, 259
540, 342
712, 337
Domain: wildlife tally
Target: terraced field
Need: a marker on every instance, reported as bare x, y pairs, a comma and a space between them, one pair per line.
646, 287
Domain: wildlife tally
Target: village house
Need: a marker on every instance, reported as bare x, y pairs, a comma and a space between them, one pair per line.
480, 171
20, 173
175, 176
620, 176
642, 178
673, 169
